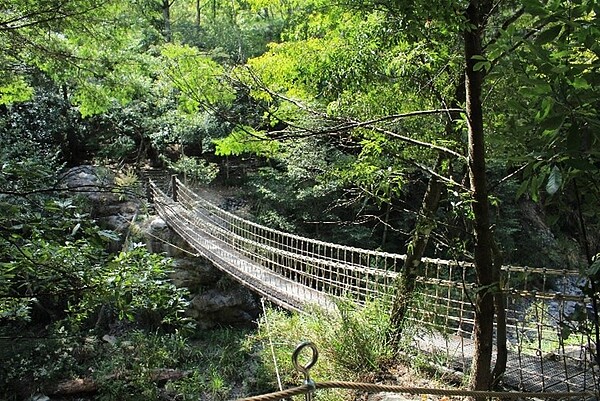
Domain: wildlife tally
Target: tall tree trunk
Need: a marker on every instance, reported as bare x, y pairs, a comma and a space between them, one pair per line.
481, 374
198, 14
405, 286
166, 11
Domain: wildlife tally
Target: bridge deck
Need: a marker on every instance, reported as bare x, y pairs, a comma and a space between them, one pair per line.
277, 289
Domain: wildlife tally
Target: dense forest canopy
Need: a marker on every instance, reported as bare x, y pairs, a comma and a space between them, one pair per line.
465, 130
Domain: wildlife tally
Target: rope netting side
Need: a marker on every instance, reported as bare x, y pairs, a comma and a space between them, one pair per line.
333, 269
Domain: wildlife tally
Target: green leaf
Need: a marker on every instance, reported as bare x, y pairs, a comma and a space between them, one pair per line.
75, 229
580, 83
548, 35
486, 65
594, 268
553, 122
535, 7
565, 332
108, 235
522, 189
554, 181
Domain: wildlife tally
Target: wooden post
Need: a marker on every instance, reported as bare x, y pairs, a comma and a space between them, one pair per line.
149, 194
174, 186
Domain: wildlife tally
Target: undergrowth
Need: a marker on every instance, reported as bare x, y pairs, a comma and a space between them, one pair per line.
220, 364
214, 366
350, 343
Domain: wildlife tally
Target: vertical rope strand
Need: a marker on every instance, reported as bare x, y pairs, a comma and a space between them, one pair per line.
262, 301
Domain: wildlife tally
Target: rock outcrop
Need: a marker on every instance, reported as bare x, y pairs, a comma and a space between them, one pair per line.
216, 298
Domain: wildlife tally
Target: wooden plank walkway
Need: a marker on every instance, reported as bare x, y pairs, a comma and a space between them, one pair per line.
523, 372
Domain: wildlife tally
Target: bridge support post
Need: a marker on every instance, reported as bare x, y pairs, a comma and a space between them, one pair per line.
149, 192
174, 186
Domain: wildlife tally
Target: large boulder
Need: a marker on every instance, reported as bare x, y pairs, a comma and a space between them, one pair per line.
115, 208
195, 273
233, 306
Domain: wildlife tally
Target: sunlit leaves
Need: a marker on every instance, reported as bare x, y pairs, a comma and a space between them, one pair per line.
199, 79
246, 140
88, 45
290, 67
14, 90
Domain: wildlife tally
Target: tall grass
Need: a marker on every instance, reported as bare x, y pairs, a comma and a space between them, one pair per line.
350, 343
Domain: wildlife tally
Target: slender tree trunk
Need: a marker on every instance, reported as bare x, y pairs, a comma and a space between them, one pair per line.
198, 9
386, 220
405, 286
406, 282
481, 374
500, 305
166, 10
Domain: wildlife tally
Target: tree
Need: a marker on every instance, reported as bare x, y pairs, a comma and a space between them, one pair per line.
481, 373
314, 103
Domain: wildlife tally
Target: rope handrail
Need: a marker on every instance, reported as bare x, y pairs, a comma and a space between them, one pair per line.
309, 259
194, 202
330, 264
390, 276
224, 259
375, 271
282, 233
310, 386
436, 261
387, 388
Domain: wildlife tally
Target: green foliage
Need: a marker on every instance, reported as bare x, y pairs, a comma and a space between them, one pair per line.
246, 140
197, 77
224, 359
194, 170
126, 367
349, 343
15, 90
88, 45
135, 287
28, 364
557, 78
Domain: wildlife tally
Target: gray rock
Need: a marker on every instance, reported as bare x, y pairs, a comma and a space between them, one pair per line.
235, 306
194, 273
158, 225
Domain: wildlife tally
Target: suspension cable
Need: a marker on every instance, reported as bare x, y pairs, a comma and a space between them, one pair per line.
262, 301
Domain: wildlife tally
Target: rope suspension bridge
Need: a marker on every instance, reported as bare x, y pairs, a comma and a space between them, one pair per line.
297, 273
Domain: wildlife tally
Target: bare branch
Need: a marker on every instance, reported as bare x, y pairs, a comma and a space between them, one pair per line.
440, 177
421, 143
